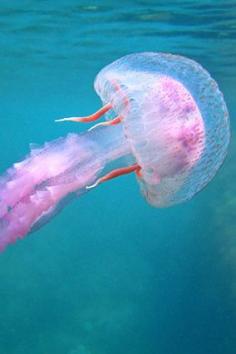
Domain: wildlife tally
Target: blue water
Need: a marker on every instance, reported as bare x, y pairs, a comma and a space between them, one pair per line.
111, 274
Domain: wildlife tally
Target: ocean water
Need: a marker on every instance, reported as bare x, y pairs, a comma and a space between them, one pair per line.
111, 274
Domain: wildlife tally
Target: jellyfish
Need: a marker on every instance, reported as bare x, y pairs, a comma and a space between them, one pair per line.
166, 122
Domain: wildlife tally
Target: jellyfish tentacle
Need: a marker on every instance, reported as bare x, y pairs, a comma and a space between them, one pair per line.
91, 118
116, 173
139, 173
108, 123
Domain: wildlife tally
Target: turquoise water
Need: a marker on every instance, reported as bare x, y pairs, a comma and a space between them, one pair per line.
111, 274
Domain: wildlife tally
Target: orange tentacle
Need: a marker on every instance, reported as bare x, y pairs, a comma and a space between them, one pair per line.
90, 118
119, 172
116, 173
108, 123
95, 115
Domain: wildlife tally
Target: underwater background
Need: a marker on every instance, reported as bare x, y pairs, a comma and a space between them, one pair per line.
110, 274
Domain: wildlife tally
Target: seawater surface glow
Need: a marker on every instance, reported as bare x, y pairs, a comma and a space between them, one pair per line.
110, 274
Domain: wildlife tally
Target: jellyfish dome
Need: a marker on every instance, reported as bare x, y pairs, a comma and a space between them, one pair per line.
174, 118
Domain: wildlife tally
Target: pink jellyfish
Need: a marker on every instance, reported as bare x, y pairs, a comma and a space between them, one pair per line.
166, 121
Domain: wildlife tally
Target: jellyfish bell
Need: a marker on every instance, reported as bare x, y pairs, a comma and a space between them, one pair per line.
175, 119
166, 121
